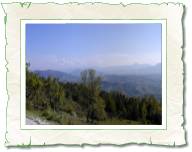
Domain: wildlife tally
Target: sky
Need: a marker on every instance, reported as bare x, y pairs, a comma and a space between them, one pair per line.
74, 45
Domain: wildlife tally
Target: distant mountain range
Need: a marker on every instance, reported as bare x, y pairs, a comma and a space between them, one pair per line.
132, 80
134, 85
62, 76
133, 69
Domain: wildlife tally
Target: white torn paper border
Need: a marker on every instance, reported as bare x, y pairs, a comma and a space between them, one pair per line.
174, 133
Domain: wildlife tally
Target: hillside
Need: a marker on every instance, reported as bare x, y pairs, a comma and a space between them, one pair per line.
62, 76
86, 102
130, 84
134, 85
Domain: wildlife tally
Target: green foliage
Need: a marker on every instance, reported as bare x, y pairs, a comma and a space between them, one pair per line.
91, 81
110, 105
86, 103
98, 109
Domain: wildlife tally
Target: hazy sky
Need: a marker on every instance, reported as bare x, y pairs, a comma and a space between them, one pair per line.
71, 46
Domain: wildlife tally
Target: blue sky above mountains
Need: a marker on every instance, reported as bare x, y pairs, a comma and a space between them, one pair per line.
73, 46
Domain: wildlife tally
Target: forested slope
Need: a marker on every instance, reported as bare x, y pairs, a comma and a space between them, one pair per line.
86, 103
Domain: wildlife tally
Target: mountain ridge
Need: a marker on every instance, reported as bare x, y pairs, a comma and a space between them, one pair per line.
130, 84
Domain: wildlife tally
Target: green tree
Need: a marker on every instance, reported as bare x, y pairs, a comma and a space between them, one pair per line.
110, 105
153, 110
91, 81
96, 105
143, 110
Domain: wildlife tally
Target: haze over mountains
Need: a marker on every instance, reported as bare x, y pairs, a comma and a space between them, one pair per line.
132, 69
132, 80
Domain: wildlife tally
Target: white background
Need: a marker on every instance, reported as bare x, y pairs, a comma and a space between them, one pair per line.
134, 148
